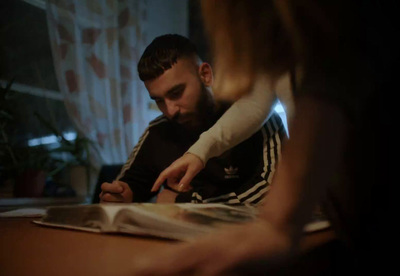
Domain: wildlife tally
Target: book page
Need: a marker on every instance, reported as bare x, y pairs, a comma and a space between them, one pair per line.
180, 221
226, 213
78, 216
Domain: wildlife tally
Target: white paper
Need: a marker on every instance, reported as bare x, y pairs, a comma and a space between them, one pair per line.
24, 212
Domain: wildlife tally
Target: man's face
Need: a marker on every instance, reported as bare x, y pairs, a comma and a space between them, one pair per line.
181, 94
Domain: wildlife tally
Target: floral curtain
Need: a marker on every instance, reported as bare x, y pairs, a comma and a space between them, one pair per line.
96, 46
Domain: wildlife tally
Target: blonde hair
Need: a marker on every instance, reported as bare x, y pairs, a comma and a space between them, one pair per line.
249, 38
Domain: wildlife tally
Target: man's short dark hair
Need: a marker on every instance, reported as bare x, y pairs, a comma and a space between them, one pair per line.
162, 53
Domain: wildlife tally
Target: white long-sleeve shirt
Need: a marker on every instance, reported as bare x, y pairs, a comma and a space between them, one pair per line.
244, 118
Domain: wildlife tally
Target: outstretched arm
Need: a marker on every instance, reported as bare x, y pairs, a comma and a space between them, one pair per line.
254, 187
239, 122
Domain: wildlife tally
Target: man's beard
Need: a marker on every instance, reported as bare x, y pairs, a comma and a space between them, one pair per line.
202, 118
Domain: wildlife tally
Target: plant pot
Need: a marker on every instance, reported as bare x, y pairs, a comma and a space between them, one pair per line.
78, 179
30, 183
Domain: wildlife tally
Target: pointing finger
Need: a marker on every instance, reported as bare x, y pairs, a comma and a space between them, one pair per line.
160, 180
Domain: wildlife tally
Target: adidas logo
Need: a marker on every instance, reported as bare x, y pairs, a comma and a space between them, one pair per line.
231, 172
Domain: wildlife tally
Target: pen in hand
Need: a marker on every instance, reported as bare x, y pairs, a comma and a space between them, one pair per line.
116, 191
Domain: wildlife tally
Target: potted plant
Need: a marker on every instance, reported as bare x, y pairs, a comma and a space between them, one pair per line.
33, 166
25, 166
77, 162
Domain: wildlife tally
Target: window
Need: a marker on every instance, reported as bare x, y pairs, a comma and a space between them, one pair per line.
26, 58
25, 55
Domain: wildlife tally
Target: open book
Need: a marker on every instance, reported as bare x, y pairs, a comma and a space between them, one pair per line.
179, 221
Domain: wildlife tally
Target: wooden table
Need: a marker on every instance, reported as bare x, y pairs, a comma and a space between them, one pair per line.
30, 249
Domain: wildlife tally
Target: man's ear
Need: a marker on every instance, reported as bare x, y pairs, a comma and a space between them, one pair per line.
206, 74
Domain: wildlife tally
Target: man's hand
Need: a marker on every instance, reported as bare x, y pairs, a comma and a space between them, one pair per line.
117, 192
166, 196
180, 173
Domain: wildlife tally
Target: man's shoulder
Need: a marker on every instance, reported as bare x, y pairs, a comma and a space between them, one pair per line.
156, 129
159, 122
161, 128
